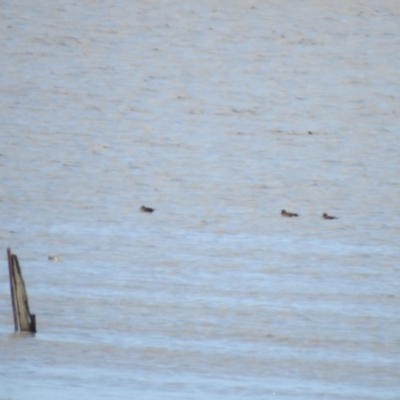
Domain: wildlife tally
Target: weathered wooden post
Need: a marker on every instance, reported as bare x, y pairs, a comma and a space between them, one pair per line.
12, 289
23, 319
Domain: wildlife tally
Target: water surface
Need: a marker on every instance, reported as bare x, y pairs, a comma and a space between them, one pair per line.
218, 115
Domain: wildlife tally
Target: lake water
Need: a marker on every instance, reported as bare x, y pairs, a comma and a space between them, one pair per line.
218, 114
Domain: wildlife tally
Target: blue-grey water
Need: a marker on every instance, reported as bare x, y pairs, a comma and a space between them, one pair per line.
218, 114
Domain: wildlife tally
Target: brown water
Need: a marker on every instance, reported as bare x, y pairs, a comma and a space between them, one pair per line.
202, 110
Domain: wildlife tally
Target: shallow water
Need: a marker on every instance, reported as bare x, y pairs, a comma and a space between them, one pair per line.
218, 115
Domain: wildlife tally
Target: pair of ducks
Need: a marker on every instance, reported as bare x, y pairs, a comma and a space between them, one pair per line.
285, 213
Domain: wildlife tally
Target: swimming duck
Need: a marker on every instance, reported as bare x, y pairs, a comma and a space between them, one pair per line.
284, 213
326, 216
53, 258
146, 209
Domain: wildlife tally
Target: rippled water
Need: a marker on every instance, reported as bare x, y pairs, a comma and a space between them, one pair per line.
217, 114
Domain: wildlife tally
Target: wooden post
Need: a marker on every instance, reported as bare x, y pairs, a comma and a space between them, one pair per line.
23, 319
12, 289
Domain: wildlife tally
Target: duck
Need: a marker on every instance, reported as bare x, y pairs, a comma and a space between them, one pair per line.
326, 216
284, 213
146, 209
53, 258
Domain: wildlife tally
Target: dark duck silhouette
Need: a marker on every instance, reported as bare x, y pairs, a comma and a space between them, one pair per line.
146, 209
284, 213
326, 216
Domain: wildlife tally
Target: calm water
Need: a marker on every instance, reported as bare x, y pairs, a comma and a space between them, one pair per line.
218, 114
